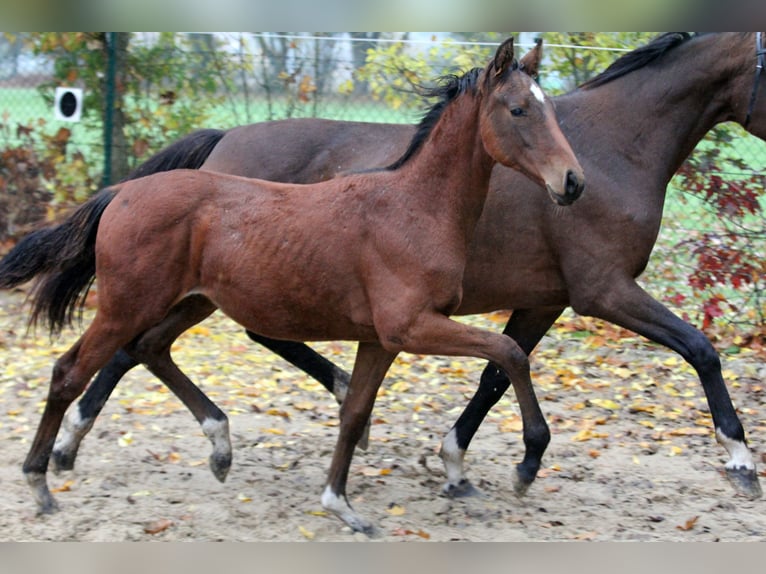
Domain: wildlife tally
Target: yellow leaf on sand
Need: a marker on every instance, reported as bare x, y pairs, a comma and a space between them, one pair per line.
244, 498
396, 510
306, 533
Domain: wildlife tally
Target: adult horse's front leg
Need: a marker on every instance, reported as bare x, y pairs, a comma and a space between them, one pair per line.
331, 376
631, 307
372, 363
526, 327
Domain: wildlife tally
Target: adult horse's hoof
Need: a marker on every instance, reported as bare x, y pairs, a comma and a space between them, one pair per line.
522, 482
745, 482
63, 460
462, 489
220, 464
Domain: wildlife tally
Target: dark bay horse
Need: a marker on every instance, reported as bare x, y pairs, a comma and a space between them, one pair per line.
374, 257
631, 127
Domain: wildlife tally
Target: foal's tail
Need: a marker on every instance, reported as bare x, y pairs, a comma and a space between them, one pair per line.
190, 152
61, 260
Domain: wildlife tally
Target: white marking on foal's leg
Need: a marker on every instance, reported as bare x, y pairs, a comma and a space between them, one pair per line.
538, 93
217, 430
740, 454
340, 507
70, 435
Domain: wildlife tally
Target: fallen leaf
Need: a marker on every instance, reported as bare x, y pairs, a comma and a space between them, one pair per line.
689, 524
66, 487
306, 533
396, 510
408, 532
158, 526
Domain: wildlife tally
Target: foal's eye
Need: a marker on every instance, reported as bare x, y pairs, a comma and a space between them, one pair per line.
516, 112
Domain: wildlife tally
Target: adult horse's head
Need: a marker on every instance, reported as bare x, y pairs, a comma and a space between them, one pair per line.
755, 117
519, 126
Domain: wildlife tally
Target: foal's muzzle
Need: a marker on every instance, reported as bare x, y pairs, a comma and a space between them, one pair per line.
573, 188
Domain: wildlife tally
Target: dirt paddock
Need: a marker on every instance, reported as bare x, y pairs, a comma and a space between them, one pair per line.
632, 457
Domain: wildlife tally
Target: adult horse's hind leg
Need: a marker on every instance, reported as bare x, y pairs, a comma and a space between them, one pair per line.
80, 418
145, 349
526, 327
331, 377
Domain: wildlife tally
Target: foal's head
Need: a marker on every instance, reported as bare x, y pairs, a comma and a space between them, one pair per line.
519, 126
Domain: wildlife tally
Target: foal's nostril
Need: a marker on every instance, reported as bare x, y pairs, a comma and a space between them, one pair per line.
573, 186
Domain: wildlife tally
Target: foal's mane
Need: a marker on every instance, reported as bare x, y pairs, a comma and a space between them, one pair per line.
447, 89
638, 58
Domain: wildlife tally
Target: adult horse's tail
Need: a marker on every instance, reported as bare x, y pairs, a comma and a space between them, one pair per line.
190, 152
62, 261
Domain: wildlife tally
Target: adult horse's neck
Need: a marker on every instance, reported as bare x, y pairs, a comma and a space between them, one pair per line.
450, 172
651, 118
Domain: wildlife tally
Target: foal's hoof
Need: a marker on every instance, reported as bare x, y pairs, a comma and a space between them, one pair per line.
463, 489
46, 504
745, 482
220, 465
50, 506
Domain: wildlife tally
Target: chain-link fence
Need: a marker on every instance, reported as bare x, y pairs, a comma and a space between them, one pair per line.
172, 84
249, 77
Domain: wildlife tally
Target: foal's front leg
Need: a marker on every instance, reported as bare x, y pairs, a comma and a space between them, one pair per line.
372, 363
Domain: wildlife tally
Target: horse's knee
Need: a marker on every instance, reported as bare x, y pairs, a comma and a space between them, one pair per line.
701, 354
63, 388
494, 382
145, 350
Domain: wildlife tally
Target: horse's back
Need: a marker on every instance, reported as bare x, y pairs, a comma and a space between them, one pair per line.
306, 150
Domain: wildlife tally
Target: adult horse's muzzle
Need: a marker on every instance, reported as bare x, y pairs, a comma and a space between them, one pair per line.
573, 187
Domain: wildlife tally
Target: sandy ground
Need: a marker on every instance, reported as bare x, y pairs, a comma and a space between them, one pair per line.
632, 455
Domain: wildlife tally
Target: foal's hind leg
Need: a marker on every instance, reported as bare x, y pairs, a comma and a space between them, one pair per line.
151, 350
526, 327
80, 419
70, 375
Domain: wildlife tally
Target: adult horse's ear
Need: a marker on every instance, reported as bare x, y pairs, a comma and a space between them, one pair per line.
504, 57
530, 63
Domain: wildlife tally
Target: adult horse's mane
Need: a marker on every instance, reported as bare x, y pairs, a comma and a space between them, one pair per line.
448, 87
638, 58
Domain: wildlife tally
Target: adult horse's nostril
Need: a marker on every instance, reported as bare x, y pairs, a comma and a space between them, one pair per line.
573, 186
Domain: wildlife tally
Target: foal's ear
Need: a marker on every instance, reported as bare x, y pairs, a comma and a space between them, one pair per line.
504, 57
530, 63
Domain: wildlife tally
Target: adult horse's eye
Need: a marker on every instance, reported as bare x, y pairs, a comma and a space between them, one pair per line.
516, 112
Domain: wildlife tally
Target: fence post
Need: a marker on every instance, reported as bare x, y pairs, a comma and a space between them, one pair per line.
111, 74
